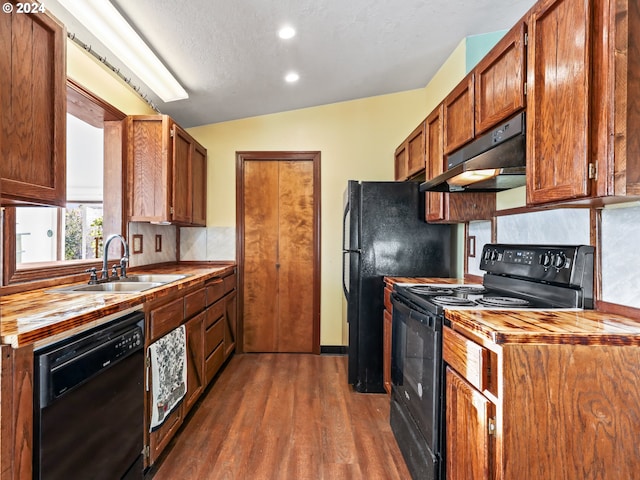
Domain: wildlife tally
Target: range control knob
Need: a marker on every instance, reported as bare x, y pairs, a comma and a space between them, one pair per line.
546, 259
487, 255
559, 260
494, 255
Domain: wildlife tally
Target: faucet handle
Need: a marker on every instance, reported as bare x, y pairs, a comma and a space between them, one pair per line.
114, 271
93, 277
123, 267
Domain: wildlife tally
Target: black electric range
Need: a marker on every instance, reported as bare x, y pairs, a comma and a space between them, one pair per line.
517, 277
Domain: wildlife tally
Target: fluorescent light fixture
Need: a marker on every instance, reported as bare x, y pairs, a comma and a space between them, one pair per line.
473, 176
102, 19
286, 32
292, 77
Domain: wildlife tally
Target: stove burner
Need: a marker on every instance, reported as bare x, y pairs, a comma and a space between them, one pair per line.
503, 302
431, 290
452, 301
470, 289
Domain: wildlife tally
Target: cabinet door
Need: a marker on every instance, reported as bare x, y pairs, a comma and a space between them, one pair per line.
182, 197
415, 151
499, 80
434, 159
469, 446
230, 323
32, 109
558, 92
458, 115
195, 360
400, 165
199, 182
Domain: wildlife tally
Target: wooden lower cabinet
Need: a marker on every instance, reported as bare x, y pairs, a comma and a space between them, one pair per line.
386, 351
209, 316
468, 416
195, 360
387, 317
562, 410
230, 323
160, 438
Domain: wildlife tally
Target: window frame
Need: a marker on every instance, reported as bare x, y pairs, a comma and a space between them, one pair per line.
97, 112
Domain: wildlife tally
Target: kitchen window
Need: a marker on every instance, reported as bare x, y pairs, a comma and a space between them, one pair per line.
46, 242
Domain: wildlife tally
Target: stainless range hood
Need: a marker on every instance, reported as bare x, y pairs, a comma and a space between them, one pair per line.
493, 162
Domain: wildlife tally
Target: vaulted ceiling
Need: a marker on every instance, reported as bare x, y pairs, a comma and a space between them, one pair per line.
229, 58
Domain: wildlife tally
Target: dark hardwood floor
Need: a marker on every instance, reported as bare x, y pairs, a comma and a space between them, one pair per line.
284, 416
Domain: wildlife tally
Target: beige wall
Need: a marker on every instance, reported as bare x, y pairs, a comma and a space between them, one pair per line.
357, 140
99, 80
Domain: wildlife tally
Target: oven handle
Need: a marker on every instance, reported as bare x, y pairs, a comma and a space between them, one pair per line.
427, 320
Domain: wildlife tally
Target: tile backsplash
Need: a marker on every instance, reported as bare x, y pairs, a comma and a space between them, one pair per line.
620, 255
208, 244
551, 227
149, 254
620, 231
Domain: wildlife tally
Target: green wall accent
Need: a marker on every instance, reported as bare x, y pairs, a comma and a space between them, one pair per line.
479, 45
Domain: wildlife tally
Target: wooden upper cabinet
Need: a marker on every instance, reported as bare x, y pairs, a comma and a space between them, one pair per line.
409, 156
166, 172
400, 164
32, 109
434, 159
459, 122
499, 81
182, 191
558, 101
415, 151
199, 185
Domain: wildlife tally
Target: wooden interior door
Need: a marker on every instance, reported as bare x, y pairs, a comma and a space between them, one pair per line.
278, 255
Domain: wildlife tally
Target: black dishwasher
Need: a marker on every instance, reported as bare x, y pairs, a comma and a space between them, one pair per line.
88, 404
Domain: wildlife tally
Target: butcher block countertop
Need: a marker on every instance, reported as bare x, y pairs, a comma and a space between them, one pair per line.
37, 316
533, 326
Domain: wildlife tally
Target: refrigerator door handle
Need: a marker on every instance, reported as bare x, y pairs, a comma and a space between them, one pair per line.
345, 265
344, 227
345, 253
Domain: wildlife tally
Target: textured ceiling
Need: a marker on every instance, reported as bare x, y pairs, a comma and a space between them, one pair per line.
227, 55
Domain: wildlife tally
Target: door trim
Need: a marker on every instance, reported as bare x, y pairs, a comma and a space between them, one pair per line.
241, 158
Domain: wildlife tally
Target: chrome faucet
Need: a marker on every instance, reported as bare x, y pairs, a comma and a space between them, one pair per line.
123, 261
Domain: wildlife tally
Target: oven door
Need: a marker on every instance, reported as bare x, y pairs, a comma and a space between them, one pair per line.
416, 367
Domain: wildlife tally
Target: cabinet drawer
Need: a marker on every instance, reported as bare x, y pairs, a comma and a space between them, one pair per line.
194, 303
213, 336
215, 291
466, 357
229, 283
213, 362
214, 313
166, 318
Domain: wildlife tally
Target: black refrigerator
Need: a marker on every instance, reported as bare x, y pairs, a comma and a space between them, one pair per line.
384, 234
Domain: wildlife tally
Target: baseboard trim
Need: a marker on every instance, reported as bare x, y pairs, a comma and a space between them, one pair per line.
333, 350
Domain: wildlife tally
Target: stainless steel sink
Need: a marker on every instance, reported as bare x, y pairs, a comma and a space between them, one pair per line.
110, 287
132, 284
154, 277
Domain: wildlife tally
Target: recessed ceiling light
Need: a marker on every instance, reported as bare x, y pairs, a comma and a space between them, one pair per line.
292, 77
286, 32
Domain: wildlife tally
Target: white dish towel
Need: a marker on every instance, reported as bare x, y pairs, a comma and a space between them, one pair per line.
168, 374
